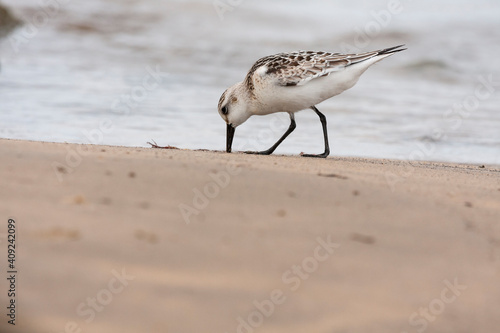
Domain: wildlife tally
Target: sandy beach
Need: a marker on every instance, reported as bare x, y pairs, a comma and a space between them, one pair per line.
117, 239
100, 233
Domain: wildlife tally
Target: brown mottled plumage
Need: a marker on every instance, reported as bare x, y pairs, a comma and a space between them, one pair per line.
296, 68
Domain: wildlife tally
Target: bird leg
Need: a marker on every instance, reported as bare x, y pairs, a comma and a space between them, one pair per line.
322, 118
273, 148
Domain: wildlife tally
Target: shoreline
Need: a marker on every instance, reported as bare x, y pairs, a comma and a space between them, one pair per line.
491, 166
337, 244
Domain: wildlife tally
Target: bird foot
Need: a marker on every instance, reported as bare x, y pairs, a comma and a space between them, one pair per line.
324, 155
265, 152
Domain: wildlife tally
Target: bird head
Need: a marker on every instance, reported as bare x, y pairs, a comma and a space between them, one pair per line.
234, 110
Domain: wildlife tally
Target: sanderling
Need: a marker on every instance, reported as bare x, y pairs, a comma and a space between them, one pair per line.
290, 82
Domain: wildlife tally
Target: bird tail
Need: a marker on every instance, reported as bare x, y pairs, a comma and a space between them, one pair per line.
375, 56
391, 50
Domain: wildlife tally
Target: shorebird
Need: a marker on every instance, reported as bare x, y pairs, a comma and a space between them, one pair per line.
291, 82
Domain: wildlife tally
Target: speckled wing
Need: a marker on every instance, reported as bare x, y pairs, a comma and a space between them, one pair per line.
298, 68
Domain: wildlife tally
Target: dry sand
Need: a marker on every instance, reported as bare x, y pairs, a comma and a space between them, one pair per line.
413, 247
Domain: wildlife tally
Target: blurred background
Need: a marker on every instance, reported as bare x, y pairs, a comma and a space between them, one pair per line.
124, 72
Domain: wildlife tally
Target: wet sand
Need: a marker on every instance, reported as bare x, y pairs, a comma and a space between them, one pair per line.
117, 239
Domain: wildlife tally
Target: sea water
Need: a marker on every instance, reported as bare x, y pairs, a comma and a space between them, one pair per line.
125, 72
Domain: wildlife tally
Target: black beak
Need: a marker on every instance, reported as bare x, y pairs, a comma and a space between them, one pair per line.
229, 137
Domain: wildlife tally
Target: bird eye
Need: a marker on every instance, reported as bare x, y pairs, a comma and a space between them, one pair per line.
224, 110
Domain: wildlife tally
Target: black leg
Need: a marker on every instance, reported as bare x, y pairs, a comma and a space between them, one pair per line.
322, 118
273, 148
